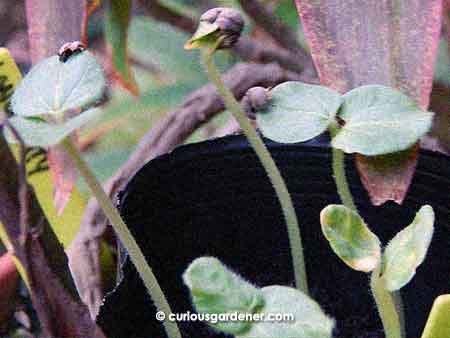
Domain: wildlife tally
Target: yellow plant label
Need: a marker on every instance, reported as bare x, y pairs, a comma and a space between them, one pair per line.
9, 77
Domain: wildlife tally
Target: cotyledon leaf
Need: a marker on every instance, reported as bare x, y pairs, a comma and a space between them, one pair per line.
382, 130
438, 323
356, 43
54, 87
39, 133
215, 290
350, 238
298, 112
308, 319
379, 120
407, 250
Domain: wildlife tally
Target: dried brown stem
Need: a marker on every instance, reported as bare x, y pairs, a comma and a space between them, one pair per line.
162, 13
53, 293
23, 185
264, 18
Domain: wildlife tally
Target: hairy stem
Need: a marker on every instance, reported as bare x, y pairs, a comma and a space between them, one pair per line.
136, 255
270, 167
386, 305
340, 178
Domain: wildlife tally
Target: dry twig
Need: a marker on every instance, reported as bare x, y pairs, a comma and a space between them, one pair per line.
264, 18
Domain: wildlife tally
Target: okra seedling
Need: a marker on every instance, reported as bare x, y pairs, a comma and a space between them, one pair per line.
369, 120
57, 97
220, 28
359, 248
218, 292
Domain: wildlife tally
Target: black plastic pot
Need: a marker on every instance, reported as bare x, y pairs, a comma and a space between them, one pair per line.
213, 198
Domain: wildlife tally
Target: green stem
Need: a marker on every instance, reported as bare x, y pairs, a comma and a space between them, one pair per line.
383, 298
339, 175
136, 255
386, 306
270, 167
400, 310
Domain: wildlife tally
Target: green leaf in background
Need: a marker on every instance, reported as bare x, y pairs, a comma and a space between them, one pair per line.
216, 290
407, 250
442, 63
116, 33
148, 40
285, 10
298, 112
38, 133
54, 87
379, 120
438, 323
350, 238
309, 319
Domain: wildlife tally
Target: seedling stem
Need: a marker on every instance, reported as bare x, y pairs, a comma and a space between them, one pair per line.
269, 165
386, 306
122, 231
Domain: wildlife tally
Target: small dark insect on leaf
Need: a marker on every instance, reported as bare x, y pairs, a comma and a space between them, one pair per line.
69, 49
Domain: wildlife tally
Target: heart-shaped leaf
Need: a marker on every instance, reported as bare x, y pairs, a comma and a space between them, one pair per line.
54, 87
298, 112
217, 290
39, 133
380, 120
309, 321
348, 55
350, 238
407, 250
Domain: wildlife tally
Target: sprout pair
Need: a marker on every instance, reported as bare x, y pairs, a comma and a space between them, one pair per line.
351, 239
217, 290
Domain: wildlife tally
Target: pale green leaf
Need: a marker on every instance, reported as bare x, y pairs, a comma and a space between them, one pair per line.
309, 321
54, 87
379, 120
407, 250
371, 96
147, 40
350, 238
438, 323
298, 112
39, 133
217, 290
